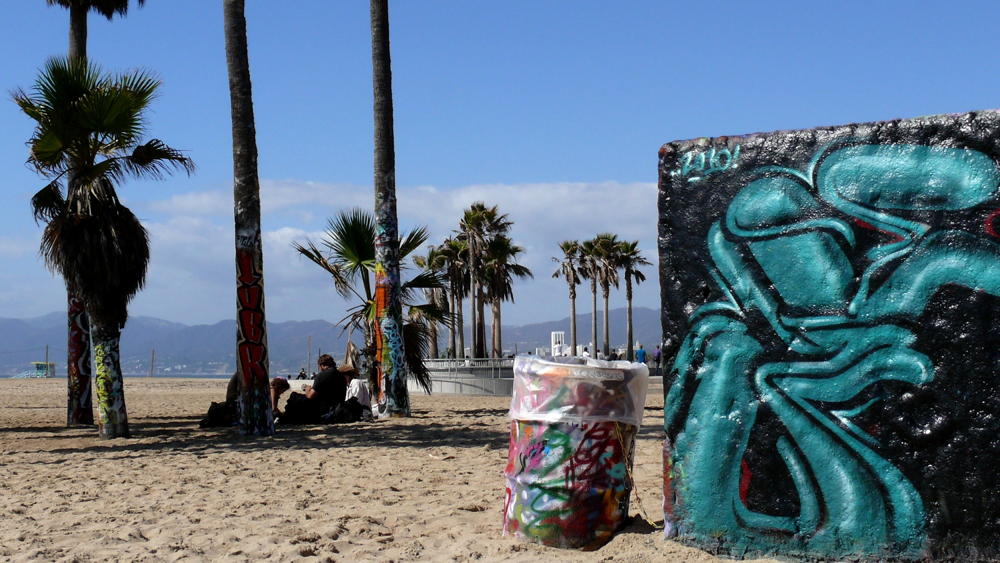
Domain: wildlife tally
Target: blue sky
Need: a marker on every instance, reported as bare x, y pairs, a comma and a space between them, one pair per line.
553, 110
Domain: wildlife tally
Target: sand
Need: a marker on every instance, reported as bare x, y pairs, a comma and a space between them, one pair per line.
427, 488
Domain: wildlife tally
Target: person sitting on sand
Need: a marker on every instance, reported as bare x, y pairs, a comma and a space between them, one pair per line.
357, 405
278, 386
302, 374
323, 396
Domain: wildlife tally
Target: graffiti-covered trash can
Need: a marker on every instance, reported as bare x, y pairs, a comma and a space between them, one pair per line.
572, 444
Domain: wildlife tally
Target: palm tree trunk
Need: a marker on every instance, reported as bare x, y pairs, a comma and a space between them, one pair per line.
78, 29
394, 400
460, 351
572, 321
473, 291
252, 360
495, 327
432, 329
481, 326
607, 348
110, 385
79, 406
593, 314
451, 322
628, 300
80, 409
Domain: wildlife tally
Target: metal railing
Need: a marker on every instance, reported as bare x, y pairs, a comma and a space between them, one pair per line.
495, 368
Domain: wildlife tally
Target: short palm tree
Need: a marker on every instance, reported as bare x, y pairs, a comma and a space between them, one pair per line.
568, 270
630, 260
590, 269
500, 267
349, 257
79, 409
89, 136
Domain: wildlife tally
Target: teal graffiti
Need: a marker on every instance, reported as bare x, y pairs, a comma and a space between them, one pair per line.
802, 332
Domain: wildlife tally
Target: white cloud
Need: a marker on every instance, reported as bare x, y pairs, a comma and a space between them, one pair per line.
192, 271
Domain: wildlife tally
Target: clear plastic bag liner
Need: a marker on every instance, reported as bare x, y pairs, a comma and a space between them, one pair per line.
575, 389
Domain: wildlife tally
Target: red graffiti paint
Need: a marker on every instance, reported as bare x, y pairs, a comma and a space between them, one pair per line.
251, 342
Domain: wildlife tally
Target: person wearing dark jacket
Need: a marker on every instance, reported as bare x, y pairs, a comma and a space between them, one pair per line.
323, 396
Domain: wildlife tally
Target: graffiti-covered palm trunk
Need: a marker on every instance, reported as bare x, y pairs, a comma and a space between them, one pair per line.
393, 399
628, 301
251, 332
110, 386
79, 405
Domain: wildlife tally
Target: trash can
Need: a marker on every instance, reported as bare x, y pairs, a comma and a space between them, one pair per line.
572, 445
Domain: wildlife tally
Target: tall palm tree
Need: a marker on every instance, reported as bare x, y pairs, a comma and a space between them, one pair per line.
252, 358
78, 10
568, 265
79, 409
500, 268
89, 134
456, 253
434, 261
630, 259
606, 248
349, 258
590, 269
393, 397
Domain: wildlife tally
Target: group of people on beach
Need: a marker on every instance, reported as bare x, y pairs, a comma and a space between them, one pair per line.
337, 395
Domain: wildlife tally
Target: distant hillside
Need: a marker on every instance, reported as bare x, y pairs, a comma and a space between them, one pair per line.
210, 349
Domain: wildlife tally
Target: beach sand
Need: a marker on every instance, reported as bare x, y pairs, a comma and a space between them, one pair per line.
426, 488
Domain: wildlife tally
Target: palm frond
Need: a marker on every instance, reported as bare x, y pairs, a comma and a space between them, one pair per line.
416, 338
48, 203
335, 270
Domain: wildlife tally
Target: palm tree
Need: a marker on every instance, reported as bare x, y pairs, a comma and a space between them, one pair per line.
590, 269
89, 135
500, 268
455, 252
78, 10
630, 259
606, 248
568, 270
434, 262
479, 224
251, 324
79, 410
349, 257
393, 397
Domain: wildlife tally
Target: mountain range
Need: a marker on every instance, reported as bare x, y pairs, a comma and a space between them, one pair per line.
210, 349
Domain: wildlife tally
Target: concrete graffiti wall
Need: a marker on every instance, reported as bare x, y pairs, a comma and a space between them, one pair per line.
830, 299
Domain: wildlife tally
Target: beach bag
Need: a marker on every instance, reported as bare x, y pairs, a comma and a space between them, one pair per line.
220, 414
572, 445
